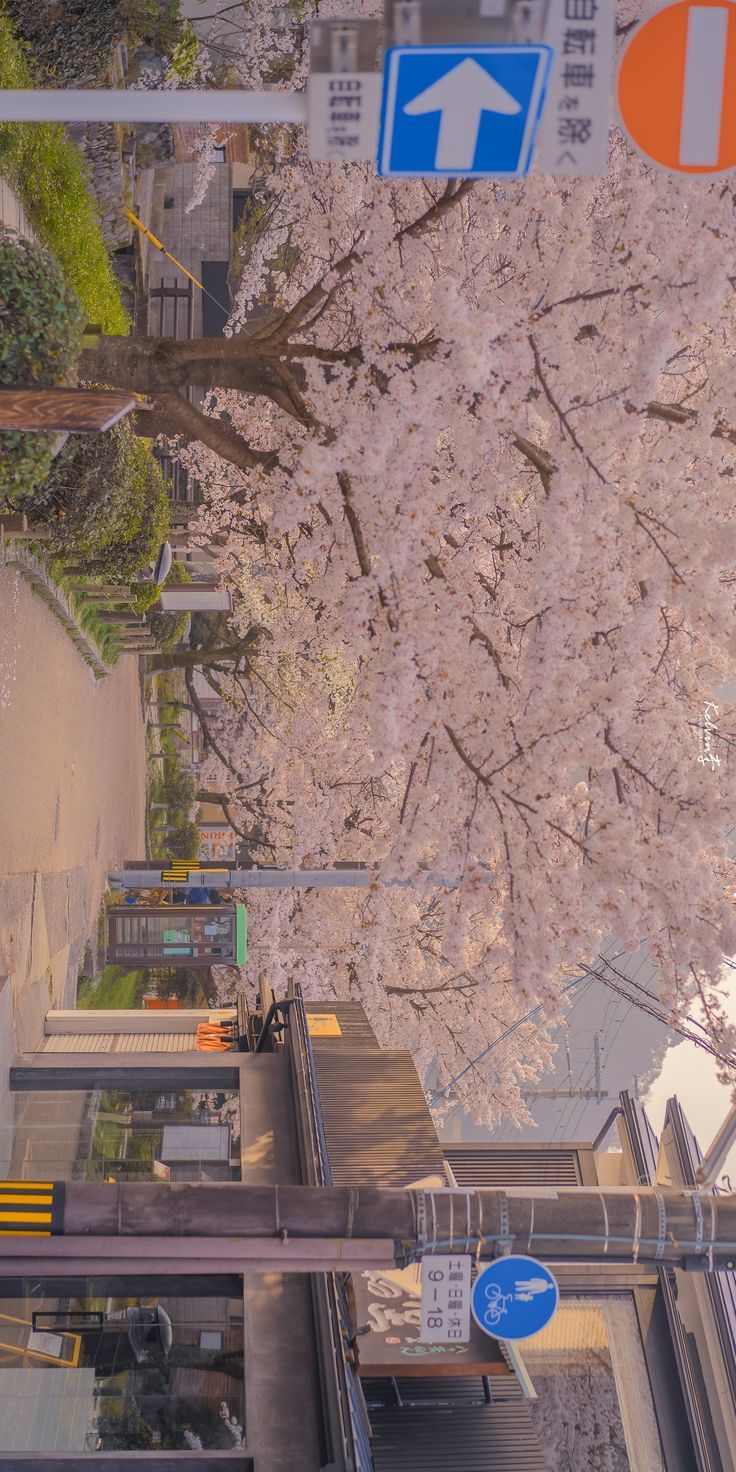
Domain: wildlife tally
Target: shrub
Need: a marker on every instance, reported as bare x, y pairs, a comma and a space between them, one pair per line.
105, 497
48, 172
154, 23
148, 593
179, 788
41, 326
169, 628
42, 323
185, 54
183, 843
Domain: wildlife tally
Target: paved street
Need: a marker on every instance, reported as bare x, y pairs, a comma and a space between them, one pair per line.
72, 800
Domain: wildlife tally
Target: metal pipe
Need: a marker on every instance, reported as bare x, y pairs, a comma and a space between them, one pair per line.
127, 105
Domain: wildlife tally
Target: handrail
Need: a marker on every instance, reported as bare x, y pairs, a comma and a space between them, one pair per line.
328, 1318
275, 1008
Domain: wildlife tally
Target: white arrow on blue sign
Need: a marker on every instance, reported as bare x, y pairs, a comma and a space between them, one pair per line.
514, 1298
461, 111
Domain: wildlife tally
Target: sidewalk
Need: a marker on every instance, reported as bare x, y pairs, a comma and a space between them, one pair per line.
44, 920
67, 748
72, 801
12, 214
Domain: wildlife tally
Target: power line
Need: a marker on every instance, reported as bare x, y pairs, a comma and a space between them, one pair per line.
649, 1003
527, 1017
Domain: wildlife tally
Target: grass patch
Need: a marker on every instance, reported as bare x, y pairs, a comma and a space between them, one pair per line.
49, 176
115, 989
86, 614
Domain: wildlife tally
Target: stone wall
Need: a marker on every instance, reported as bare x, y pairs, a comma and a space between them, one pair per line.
102, 146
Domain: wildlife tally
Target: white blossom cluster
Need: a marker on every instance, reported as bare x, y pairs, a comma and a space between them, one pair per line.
486, 541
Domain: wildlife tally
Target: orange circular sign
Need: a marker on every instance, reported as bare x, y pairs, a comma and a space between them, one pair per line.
677, 87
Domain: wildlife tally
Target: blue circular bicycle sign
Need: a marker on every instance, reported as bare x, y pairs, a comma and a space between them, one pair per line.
514, 1298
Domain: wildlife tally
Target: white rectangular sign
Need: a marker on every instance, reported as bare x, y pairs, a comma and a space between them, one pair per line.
445, 1315
344, 111
578, 111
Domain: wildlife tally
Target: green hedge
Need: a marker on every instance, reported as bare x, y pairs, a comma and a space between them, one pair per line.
49, 175
105, 499
41, 326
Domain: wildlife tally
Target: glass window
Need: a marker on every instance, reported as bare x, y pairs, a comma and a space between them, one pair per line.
122, 1135
84, 1368
594, 1406
152, 935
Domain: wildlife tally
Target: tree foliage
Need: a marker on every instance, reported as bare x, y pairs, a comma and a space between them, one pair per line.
473, 482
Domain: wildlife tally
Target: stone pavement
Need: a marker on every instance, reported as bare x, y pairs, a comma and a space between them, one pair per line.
12, 214
44, 921
72, 803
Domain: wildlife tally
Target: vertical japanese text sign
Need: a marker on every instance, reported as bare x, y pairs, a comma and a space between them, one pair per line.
445, 1299
573, 133
344, 90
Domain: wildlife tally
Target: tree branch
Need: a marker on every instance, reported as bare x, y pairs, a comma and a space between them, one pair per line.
187, 420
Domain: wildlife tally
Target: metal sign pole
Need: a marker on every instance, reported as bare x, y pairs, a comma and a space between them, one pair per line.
126, 105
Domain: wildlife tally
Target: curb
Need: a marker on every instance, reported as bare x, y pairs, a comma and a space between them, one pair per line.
11, 555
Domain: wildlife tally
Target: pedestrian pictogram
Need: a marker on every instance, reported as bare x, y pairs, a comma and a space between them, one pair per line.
459, 110
677, 87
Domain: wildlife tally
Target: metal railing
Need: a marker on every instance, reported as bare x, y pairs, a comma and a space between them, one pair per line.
344, 1415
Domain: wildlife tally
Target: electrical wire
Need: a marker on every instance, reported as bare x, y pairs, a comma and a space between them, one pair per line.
654, 1009
533, 1012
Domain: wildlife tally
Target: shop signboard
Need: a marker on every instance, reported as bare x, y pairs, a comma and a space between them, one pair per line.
390, 1305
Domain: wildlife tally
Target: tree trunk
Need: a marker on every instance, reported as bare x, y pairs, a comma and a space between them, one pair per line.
153, 364
159, 368
187, 659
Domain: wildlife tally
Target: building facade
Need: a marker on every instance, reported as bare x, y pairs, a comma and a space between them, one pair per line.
162, 1352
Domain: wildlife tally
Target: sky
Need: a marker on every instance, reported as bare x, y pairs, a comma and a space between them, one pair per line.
689, 1072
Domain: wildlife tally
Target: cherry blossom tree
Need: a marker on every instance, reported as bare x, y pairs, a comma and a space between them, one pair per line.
471, 452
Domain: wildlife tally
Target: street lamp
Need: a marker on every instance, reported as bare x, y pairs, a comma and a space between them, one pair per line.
163, 563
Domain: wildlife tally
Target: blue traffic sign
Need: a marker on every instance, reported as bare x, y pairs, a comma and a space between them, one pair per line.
514, 1298
464, 111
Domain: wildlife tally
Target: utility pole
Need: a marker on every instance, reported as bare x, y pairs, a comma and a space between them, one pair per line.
597, 1094
346, 876
324, 1229
101, 105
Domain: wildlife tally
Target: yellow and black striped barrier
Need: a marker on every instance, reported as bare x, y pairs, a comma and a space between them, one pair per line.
177, 872
31, 1208
185, 872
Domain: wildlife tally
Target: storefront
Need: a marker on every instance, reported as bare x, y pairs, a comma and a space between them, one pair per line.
162, 1352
